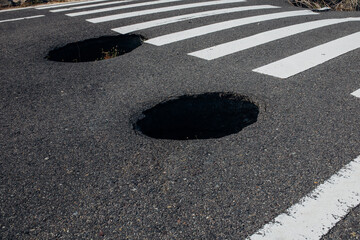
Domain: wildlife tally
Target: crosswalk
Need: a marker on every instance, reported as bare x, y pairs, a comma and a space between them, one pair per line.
264, 37
216, 27
165, 21
110, 9
69, 4
158, 10
283, 68
90, 6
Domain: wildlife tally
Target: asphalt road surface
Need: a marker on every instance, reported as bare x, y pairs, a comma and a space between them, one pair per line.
73, 166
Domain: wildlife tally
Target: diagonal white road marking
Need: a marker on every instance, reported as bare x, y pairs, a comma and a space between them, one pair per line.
302, 61
264, 37
164, 21
199, 31
23, 18
319, 211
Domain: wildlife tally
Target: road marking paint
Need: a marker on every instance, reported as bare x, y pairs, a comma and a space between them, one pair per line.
23, 18
199, 31
319, 211
91, 5
302, 61
356, 93
158, 10
121, 7
264, 37
68, 4
164, 21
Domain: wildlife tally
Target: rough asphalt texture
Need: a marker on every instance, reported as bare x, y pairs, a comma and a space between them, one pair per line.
72, 167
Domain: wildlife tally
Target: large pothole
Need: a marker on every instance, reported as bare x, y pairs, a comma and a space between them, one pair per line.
204, 116
96, 49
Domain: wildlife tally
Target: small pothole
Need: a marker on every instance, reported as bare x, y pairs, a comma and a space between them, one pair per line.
96, 49
204, 116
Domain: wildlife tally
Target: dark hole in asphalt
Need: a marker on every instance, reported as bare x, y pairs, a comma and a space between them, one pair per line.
96, 49
204, 116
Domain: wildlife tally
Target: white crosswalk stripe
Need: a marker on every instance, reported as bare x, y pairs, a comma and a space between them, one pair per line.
305, 60
121, 7
264, 37
159, 10
320, 210
69, 4
164, 21
91, 6
199, 31
356, 93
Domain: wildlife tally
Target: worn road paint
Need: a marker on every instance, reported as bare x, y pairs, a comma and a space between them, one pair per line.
23, 18
159, 10
264, 37
356, 93
319, 211
164, 21
305, 60
199, 31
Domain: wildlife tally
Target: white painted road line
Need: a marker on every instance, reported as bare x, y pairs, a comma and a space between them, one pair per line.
319, 211
164, 21
23, 18
68, 4
356, 93
159, 10
264, 37
302, 61
91, 6
199, 31
121, 7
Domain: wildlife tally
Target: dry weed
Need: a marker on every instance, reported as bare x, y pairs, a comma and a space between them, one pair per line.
338, 5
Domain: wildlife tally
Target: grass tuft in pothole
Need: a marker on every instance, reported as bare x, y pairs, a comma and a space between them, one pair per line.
96, 49
204, 116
